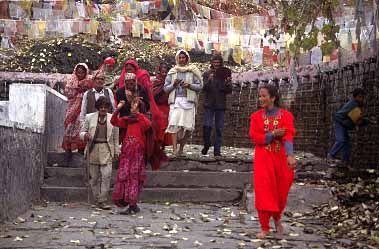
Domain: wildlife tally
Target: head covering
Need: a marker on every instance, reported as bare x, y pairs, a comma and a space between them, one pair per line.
140, 73
73, 80
185, 68
109, 61
181, 51
130, 76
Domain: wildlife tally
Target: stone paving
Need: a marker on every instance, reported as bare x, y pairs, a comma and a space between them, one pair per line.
169, 225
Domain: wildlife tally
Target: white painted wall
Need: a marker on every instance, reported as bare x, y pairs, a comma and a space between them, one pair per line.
27, 104
4, 110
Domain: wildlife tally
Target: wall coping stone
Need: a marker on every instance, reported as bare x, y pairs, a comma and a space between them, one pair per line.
17, 125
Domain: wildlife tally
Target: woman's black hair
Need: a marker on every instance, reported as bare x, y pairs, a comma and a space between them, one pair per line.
102, 101
163, 65
82, 67
273, 92
358, 91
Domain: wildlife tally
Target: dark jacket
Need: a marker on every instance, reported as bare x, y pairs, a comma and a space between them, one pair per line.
341, 116
215, 91
142, 92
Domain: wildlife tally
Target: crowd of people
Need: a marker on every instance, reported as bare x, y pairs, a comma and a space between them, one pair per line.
144, 116
106, 110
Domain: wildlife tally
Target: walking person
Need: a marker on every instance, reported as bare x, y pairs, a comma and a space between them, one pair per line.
131, 172
76, 85
217, 84
183, 84
102, 147
272, 131
348, 118
93, 94
161, 98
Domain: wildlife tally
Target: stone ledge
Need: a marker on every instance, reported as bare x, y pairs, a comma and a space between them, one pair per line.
75, 177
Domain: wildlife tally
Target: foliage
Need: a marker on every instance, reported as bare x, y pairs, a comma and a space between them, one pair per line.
299, 18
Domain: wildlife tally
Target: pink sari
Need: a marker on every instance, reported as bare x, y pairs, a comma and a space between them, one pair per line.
74, 90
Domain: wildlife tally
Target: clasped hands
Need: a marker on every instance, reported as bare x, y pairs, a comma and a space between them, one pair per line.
278, 133
181, 83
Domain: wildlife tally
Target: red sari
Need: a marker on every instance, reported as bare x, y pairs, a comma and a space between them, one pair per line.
143, 78
74, 90
272, 176
162, 102
131, 173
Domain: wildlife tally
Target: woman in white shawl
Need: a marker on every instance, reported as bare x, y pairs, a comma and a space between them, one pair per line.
183, 83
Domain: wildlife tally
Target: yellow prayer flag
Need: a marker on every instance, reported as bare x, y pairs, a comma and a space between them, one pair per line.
26, 5
237, 23
237, 54
41, 27
93, 25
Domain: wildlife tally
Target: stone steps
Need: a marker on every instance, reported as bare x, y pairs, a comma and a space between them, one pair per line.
194, 163
200, 179
76, 177
190, 179
202, 195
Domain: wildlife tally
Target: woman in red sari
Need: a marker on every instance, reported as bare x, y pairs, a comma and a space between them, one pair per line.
272, 131
76, 85
158, 118
161, 98
143, 78
131, 172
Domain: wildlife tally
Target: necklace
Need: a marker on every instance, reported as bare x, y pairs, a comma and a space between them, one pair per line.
275, 145
102, 121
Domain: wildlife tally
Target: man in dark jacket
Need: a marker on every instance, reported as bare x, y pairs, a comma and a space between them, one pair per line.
347, 118
217, 84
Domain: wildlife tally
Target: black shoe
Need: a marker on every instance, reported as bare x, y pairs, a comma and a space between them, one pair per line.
204, 151
131, 210
121, 203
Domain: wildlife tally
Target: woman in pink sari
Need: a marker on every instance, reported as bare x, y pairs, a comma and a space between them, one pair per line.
76, 85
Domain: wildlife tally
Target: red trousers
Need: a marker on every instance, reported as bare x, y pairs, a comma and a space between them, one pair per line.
264, 219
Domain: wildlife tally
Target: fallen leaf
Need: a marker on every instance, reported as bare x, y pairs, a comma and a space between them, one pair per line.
75, 241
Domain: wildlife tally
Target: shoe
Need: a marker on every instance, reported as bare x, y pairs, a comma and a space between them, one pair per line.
104, 206
204, 151
131, 210
121, 203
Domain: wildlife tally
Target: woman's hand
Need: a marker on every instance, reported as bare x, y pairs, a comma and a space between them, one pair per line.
278, 133
291, 161
129, 95
186, 85
120, 105
177, 82
135, 106
87, 137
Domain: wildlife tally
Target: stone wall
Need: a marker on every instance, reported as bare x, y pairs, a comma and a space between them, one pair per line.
22, 156
313, 102
55, 112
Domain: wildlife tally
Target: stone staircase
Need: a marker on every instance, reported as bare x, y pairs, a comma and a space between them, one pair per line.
191, 179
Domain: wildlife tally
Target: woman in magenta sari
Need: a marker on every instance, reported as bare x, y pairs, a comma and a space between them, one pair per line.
157, 157
131, 172
76, 85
